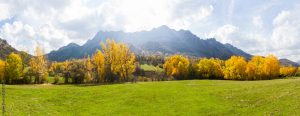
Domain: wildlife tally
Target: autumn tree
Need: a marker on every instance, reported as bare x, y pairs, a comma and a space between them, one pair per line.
288, 71
99, 62
235, 68
119, 61
88, 69
271, 68
254, 69
210, 68
39, 66
14, 68
298, 71
126, 62
2, 70
65, 70
76, 69
177, 66
110, 53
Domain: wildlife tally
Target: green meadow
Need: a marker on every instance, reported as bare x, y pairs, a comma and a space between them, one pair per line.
189, 97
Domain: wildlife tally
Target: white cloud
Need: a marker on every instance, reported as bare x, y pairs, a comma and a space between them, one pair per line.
49, 22
258, 27
281, 18
25, 37
284, 40
192, 16
4, 11
224, 33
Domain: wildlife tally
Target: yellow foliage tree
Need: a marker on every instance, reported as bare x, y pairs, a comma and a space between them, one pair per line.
126, 62
39, 66
298, 71
271, 67
14, 68
210, 68
254, 70
119, 61
288, 71
2, 70
99, 62
65, 67
177, 66
88, 69
235, 68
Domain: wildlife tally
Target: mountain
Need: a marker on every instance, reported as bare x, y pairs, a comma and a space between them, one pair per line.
287, 62
161, 40
6, 49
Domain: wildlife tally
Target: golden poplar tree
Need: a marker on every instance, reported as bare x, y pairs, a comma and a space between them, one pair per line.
39, 65
235, 68
2, 70
177, 66
14, 68
254, 68
126, 62
119, 60
110, 53
88, 69
288, 71
210, 68
271, 67
99, 62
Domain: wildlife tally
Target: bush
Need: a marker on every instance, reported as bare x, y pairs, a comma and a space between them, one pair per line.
56, 80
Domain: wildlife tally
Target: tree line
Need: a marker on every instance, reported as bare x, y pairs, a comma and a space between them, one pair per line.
116, 63
235, 68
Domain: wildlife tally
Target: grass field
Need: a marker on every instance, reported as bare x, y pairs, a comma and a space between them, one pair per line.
191, 97
147, 67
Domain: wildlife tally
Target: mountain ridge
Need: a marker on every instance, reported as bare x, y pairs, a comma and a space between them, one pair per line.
6, 49
161, 40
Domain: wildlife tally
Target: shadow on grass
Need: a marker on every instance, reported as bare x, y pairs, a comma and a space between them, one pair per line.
94, 84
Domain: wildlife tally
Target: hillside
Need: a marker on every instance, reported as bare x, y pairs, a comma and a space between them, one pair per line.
287, 62
191, 97
6, 49
161, 40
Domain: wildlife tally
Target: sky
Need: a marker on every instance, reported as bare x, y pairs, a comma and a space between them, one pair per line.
259, 27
